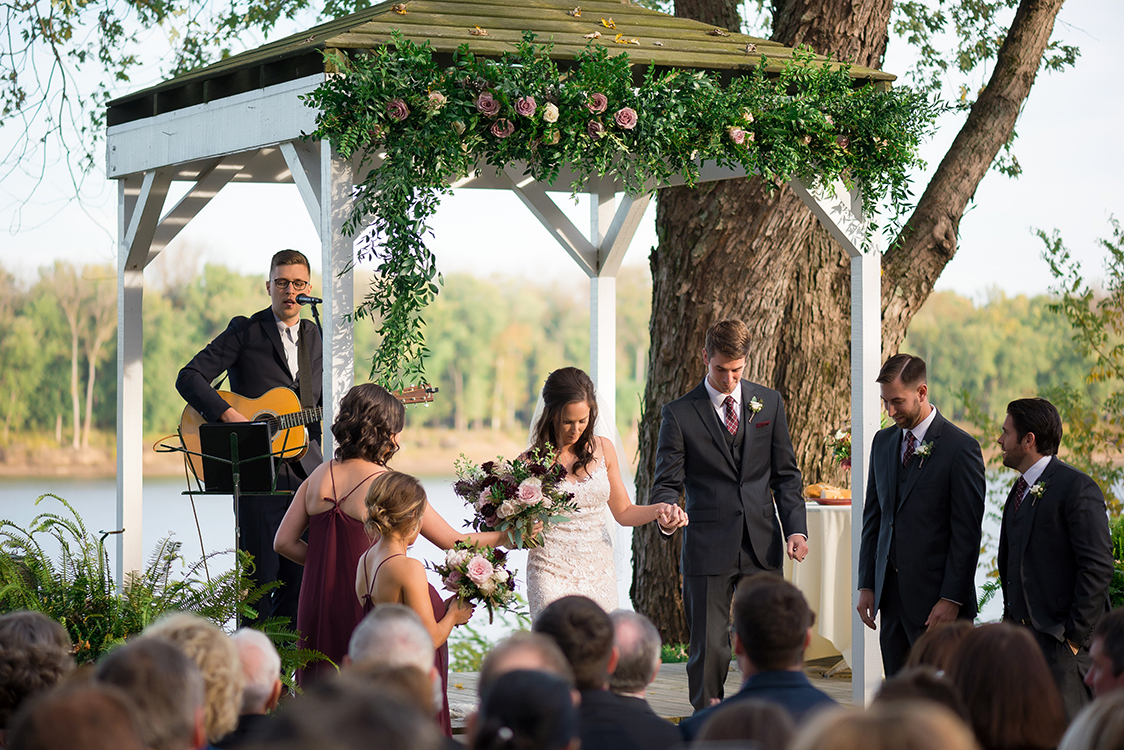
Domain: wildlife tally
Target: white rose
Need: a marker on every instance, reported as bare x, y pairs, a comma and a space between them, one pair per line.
500, 576
550, 112
487, 588
507, 509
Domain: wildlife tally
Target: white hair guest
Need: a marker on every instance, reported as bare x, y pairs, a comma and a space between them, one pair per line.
638, 643
261, 669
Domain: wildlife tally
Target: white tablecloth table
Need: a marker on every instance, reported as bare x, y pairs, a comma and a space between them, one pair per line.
825, 579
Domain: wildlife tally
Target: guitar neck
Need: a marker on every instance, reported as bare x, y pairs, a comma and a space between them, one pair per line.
299, 418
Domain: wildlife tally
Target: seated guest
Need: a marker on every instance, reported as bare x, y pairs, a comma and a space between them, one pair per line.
763, 725
523, 650
1106, 673
261, 674
166, 688
1099, 726
936, 645
898, 726
772, 627
638, 647
35, 653
584, 632
529, 710
923, 684
217, 658
1010, 692
76, 717
408, 684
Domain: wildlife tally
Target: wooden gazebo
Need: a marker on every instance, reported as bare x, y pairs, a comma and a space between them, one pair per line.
242, 120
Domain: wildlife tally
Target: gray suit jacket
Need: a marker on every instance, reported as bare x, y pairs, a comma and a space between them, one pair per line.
935, 506
723, 499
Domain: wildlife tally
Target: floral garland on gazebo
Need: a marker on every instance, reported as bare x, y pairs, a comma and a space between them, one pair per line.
431, 123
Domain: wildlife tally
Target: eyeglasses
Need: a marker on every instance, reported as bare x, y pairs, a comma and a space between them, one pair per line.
284, 284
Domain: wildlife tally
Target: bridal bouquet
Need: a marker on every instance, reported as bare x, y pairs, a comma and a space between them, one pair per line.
513, 495
478, 574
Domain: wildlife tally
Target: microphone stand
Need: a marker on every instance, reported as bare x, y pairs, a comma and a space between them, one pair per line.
316, 317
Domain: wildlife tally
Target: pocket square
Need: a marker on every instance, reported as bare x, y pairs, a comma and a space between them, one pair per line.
759, 425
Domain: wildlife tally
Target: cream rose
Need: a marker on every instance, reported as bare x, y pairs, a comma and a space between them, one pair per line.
507, 509
550, 112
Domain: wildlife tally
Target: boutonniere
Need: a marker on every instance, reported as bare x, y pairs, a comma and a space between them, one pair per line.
923, 451
755, 405
1038, 490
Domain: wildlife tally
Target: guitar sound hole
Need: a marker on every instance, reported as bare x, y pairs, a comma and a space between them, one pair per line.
270, 418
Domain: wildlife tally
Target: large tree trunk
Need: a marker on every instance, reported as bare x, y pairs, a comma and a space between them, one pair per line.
736, 249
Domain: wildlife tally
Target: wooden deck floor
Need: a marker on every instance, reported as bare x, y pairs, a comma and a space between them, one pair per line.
667, 695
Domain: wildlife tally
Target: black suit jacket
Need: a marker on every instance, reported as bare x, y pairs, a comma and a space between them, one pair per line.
617, 722
1062, 552
251, 352
722, 499
792, 691
936, 514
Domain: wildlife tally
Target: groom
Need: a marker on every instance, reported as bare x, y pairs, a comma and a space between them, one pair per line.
726, 445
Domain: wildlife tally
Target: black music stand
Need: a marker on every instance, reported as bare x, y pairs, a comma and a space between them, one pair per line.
237, 458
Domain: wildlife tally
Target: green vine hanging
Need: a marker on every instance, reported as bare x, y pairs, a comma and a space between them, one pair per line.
433, 123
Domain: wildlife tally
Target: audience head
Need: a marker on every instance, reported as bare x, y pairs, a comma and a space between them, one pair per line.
528, 651
528, 710
1010, 692
638, 645
563, 394
936, 645
772, 622
368, 421
90, 716
261, 670
922, 684
217, 658
408, 684
1099, 726
166, 688
392, 635
348, 714
1107, 653
766, 725
897, 726
1038, 417
584, 632
395, 505
35, 654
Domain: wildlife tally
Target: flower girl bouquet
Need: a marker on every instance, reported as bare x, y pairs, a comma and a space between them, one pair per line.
478, 574
513, 495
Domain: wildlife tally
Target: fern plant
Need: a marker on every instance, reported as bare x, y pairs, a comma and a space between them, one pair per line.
78, 589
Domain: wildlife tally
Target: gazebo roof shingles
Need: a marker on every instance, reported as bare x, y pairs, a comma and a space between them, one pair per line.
663, 40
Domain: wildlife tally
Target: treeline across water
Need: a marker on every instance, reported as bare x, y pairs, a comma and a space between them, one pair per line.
492, 341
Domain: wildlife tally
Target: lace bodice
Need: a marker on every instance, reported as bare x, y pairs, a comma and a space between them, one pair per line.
577, 556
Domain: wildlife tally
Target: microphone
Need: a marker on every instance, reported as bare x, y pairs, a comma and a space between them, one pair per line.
304, 299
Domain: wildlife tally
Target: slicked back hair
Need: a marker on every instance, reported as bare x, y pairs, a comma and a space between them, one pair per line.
288, 258
910, 368
1039, 416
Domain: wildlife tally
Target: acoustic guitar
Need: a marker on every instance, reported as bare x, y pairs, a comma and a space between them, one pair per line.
281, 410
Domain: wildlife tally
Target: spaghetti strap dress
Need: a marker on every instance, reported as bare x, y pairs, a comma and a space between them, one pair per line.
328, 611
440, 655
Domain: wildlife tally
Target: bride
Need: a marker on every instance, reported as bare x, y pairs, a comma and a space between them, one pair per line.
576, 557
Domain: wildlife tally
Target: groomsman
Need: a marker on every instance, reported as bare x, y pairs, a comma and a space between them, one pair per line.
1055, 553
921, 517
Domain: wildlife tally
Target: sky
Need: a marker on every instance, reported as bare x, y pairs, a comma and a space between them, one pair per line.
1067, 145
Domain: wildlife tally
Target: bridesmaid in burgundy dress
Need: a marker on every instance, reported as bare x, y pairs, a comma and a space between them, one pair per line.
396, 504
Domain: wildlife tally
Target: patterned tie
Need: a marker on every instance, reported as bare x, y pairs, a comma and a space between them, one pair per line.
731, 416
910, 447
1020, 492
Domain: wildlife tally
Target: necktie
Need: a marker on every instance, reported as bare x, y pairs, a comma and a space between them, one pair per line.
1020, 492
910, 447
731, 416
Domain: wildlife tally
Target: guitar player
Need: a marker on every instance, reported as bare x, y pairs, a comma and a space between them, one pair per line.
260, 353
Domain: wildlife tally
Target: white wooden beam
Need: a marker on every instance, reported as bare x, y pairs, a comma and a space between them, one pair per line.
337, 181
533, 194
141, 219
303, 159
621, 231
840, 210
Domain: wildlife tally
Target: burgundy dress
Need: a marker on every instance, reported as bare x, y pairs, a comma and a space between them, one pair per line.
328, 610
440, 656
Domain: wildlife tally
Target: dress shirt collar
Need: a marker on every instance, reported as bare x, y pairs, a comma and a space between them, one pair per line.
1034, 473
717, 400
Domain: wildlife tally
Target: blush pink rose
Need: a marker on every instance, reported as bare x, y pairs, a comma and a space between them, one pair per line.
502, 128
487, 105
597, 103
437, 100
737, 135
525, 106
595, 129
625, 118
479, 570
453, 581
397, 110
530, 491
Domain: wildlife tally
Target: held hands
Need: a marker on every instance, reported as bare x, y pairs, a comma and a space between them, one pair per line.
670, 517
462, 610
943, 611
797, 548
866, 607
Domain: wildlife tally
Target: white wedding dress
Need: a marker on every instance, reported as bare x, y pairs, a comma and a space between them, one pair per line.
577, 556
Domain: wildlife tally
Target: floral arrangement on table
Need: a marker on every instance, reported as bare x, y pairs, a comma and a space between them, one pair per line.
512, 496
418, 123
840, 444
478, 574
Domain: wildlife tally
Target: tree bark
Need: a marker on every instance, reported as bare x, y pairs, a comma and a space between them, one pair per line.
737, 249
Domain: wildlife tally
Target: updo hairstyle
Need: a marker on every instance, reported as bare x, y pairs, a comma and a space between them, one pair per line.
395, 504
368, 419
563, 387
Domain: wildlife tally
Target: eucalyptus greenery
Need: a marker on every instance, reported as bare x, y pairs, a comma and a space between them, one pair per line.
79, 591
418, 124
